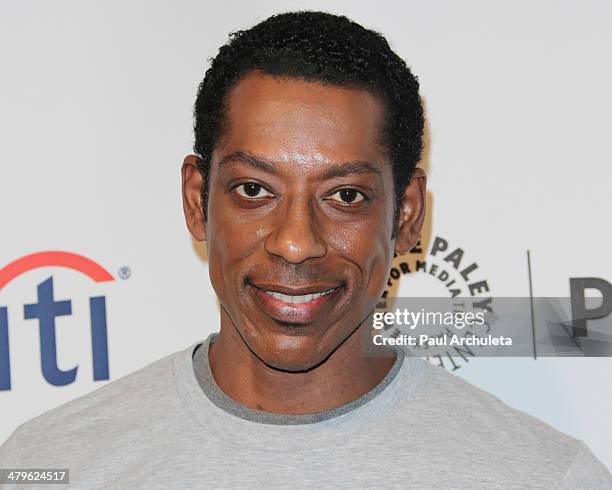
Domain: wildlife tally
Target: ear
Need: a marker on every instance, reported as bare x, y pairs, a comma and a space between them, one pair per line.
412, 212
192, 197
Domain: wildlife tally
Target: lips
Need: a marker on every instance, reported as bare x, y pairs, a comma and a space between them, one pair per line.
296, 305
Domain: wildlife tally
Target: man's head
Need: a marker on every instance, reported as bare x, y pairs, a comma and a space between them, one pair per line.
319, 47
307, 131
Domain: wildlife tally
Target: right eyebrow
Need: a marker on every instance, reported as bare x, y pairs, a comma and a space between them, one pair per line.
252, 160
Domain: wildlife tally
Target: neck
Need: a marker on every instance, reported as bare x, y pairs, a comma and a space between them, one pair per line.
244, 377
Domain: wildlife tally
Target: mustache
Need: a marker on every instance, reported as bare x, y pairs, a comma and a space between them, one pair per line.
303, 273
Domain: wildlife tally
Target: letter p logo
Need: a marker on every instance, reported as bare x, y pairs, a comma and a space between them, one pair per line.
580, 312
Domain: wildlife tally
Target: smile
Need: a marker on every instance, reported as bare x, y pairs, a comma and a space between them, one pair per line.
300, 306
297, 299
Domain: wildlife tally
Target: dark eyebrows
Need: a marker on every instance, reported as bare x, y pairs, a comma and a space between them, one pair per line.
348, 168
340, 170
252, 160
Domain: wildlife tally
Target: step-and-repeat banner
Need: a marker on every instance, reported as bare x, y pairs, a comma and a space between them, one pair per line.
99, 276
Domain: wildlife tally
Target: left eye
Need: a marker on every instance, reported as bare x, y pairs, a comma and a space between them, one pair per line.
348, 196
252, 190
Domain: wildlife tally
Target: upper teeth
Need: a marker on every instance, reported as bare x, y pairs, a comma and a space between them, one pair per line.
304, 298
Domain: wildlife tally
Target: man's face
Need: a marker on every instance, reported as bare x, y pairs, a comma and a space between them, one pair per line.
299, 219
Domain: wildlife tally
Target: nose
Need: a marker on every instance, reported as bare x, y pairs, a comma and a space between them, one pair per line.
295, 236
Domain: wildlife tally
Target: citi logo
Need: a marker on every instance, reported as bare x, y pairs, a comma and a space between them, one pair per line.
47, 309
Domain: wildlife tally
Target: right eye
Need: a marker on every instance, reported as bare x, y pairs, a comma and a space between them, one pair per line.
252, 190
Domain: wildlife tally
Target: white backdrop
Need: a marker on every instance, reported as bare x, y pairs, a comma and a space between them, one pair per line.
95, 118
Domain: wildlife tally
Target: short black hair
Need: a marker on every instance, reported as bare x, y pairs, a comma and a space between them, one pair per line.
324, 48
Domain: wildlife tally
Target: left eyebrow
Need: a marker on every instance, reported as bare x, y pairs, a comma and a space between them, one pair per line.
348, 168
336, 170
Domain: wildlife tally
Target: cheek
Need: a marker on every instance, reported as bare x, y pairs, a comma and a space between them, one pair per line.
366, 245
215, 266
353, 240
238, 232
380, 269
230, 244
362, 241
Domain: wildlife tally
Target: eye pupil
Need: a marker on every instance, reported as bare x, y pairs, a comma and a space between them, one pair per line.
251, 189
348, 195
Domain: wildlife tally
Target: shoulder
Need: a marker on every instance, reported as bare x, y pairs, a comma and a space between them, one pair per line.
489, 433
465, 406
121, 407
586, 471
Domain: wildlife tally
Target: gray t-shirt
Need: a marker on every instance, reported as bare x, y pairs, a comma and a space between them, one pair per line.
166, 427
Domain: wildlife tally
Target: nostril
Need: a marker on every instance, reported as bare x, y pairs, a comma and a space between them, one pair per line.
296, 237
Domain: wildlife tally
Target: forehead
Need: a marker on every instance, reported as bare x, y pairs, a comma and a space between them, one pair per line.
289, 119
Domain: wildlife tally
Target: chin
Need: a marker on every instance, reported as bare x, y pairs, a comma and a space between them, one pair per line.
291, 364
294, 358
